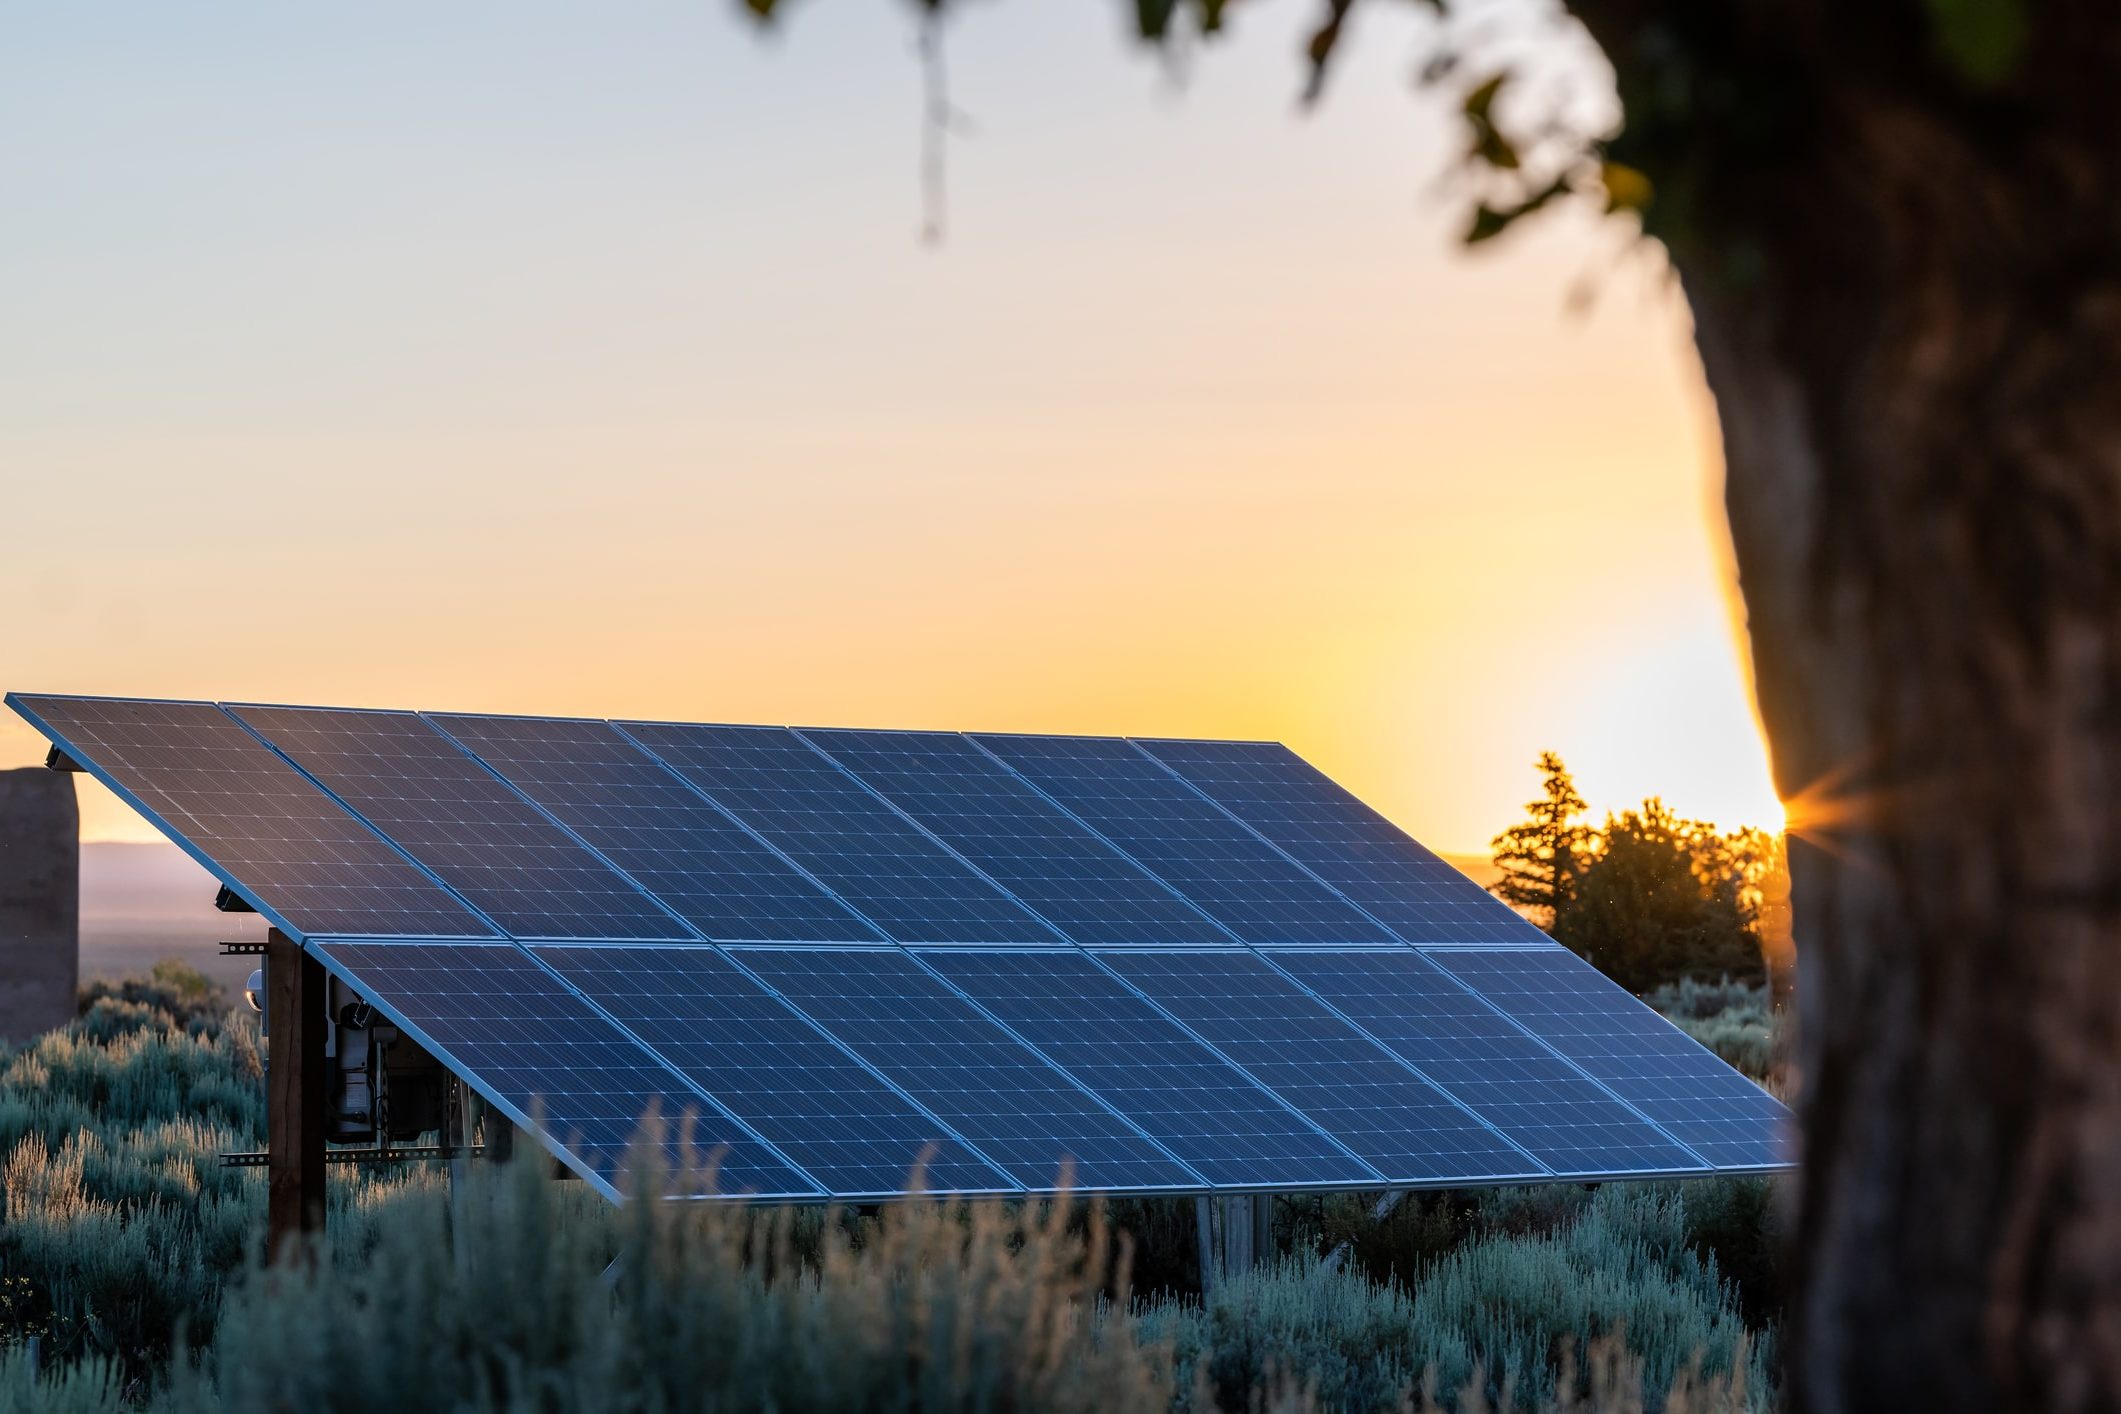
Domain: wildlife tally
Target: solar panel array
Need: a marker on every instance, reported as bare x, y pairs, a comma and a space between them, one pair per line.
855, 964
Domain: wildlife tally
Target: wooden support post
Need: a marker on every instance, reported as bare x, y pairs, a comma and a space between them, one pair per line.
295, 989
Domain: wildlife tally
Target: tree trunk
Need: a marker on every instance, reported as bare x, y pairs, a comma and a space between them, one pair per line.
1919, 383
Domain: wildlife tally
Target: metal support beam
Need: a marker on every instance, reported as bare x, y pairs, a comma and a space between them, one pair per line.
459, 1132
1237, 1233
295, 990
1263, 1253
1204, 1222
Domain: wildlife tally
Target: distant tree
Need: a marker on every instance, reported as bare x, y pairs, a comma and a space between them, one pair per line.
1543, 856
1666, 898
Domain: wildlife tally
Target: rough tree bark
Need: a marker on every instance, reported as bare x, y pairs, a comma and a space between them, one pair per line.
1908, 306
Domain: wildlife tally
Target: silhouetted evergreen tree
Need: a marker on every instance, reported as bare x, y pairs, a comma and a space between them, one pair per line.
1543, 857
1651, 898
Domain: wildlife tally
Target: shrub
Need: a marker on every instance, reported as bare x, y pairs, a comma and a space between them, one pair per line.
939, 1307
1496, 1315
119, 1223
117, 1217
1734, 1019
86, 1387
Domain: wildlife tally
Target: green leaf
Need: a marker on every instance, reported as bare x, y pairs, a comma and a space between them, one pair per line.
1982, 39
1489, 145
1491, 221
1154, 17
1488, 223
1481, 99
1626, 188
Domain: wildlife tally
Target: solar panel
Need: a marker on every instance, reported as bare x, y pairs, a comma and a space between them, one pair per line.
1352, 1087
1346, 843
1017, 837
1186, 840
713, 911
451, 814
669, 839
841, 834
985, 1083
1647, 1061
771, 1068
1486, 1061
1219, 1120
526, 1042
284, 845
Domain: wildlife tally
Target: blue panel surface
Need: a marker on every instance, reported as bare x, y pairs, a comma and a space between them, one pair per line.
985, 1083
1215, 1117
824, 820
256, 820
1346, 1083
827, 1112
451, 814
630, 808
1486, 1061
1186, 840
1346, 843
511, 1030
1037, 852
1647, 1061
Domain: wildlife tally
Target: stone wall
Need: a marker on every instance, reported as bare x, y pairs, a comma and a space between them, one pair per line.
40, 901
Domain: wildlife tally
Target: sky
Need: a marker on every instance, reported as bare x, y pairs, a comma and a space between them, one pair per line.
542, 357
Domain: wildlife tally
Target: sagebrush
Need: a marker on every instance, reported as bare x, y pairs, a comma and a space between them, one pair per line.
131, 1255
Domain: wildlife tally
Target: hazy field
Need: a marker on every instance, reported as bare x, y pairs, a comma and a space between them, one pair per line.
144, 902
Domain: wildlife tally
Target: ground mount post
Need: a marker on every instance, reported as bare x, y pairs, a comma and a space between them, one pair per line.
295, 989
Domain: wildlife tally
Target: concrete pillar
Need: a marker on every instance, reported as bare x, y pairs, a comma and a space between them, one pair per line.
40, 901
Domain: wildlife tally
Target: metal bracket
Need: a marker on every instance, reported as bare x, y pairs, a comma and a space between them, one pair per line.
229, 949
229, 901
57, 760
259, 1158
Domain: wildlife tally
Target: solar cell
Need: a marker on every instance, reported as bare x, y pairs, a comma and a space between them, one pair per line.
452, 815
1017, 837
1186, 840
841, 834
776, 1071
286, 846
1544, 1104
1214, 1116
1350, 1086
515, 1033
1346, 843
1646, 1060
1015, 1107
633, 810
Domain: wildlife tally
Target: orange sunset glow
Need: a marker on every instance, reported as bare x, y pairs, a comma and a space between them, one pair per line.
553, 365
